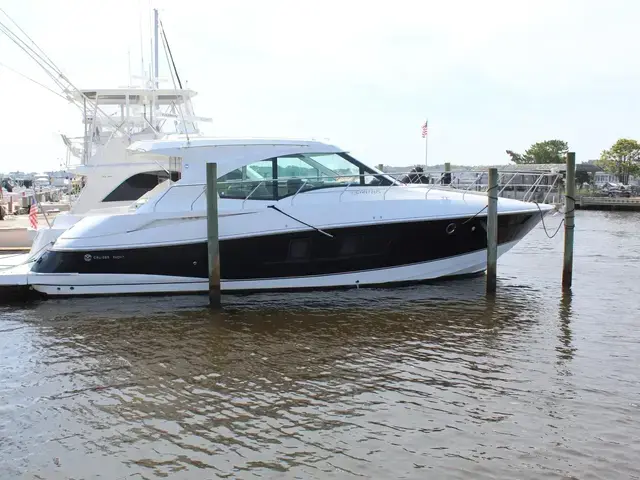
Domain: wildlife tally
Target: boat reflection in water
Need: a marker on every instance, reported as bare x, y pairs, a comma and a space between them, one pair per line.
168, 384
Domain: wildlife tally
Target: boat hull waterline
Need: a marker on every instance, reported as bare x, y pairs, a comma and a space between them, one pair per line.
69, 285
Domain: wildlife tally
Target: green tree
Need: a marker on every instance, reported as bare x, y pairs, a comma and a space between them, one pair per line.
549, 151
622, 159
582, 177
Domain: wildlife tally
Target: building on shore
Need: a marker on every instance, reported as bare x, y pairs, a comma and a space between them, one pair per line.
602, 178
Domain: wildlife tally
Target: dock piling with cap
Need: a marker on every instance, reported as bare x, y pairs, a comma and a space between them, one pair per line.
447, 174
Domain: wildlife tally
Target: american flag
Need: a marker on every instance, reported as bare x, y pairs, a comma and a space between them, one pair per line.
33, 216
424, 129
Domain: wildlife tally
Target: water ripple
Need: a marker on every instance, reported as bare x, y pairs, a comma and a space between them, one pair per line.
432, 381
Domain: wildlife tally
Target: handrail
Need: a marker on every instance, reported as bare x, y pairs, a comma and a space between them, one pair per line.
304, 183
384, 195
177, 185
342, 180
196, 199
507, 184
469, 187
342, 193
251, 193
550, 189
532, 188
484, 185
155, 204
433, 185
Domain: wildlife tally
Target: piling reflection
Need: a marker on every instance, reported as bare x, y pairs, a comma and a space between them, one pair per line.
566, 349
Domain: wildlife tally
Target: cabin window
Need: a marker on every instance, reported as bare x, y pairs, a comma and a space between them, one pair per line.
254, 181
136, 186
351, 245
299, 249
290, 174
296, 167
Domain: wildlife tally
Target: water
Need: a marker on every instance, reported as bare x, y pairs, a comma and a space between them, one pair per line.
424, 382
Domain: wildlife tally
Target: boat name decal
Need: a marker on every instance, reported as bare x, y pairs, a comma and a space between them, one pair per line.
88, 257
365, 192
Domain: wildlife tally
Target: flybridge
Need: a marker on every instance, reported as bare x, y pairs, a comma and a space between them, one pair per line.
145, 110
117, 96
130, 111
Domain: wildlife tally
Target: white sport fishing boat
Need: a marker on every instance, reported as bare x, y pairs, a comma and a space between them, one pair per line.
292, 215
112, 178
113, 118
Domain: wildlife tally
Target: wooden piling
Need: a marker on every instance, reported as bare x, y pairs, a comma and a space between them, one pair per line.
447, 174
492, 231
213, 246
569, 221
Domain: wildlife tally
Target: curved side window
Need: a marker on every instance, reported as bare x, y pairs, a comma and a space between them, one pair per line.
254, 181
136, 186
287, 175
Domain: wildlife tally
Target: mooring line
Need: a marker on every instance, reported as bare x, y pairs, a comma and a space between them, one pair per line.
300, 221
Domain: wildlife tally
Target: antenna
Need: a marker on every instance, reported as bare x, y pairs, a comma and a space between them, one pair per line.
155, 36
151, 56
141, 42
166, 42
129, 66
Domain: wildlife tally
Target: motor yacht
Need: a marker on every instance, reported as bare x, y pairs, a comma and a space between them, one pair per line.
293, 214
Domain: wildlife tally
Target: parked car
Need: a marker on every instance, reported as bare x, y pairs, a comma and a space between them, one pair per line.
619, 192
635, 190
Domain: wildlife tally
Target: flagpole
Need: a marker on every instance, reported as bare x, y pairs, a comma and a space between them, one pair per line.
425, 131
39, 205
426, 151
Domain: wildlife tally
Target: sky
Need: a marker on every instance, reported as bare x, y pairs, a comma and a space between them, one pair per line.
489, 76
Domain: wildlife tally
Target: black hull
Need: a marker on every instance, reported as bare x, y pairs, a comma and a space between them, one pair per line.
299, 254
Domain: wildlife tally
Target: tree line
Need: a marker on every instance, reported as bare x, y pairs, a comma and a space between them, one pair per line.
622, 159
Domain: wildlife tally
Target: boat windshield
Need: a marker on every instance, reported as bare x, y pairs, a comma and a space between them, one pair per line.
282, 176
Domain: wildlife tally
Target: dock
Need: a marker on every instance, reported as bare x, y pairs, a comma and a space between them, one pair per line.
15, 233
13, 277
608, 203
